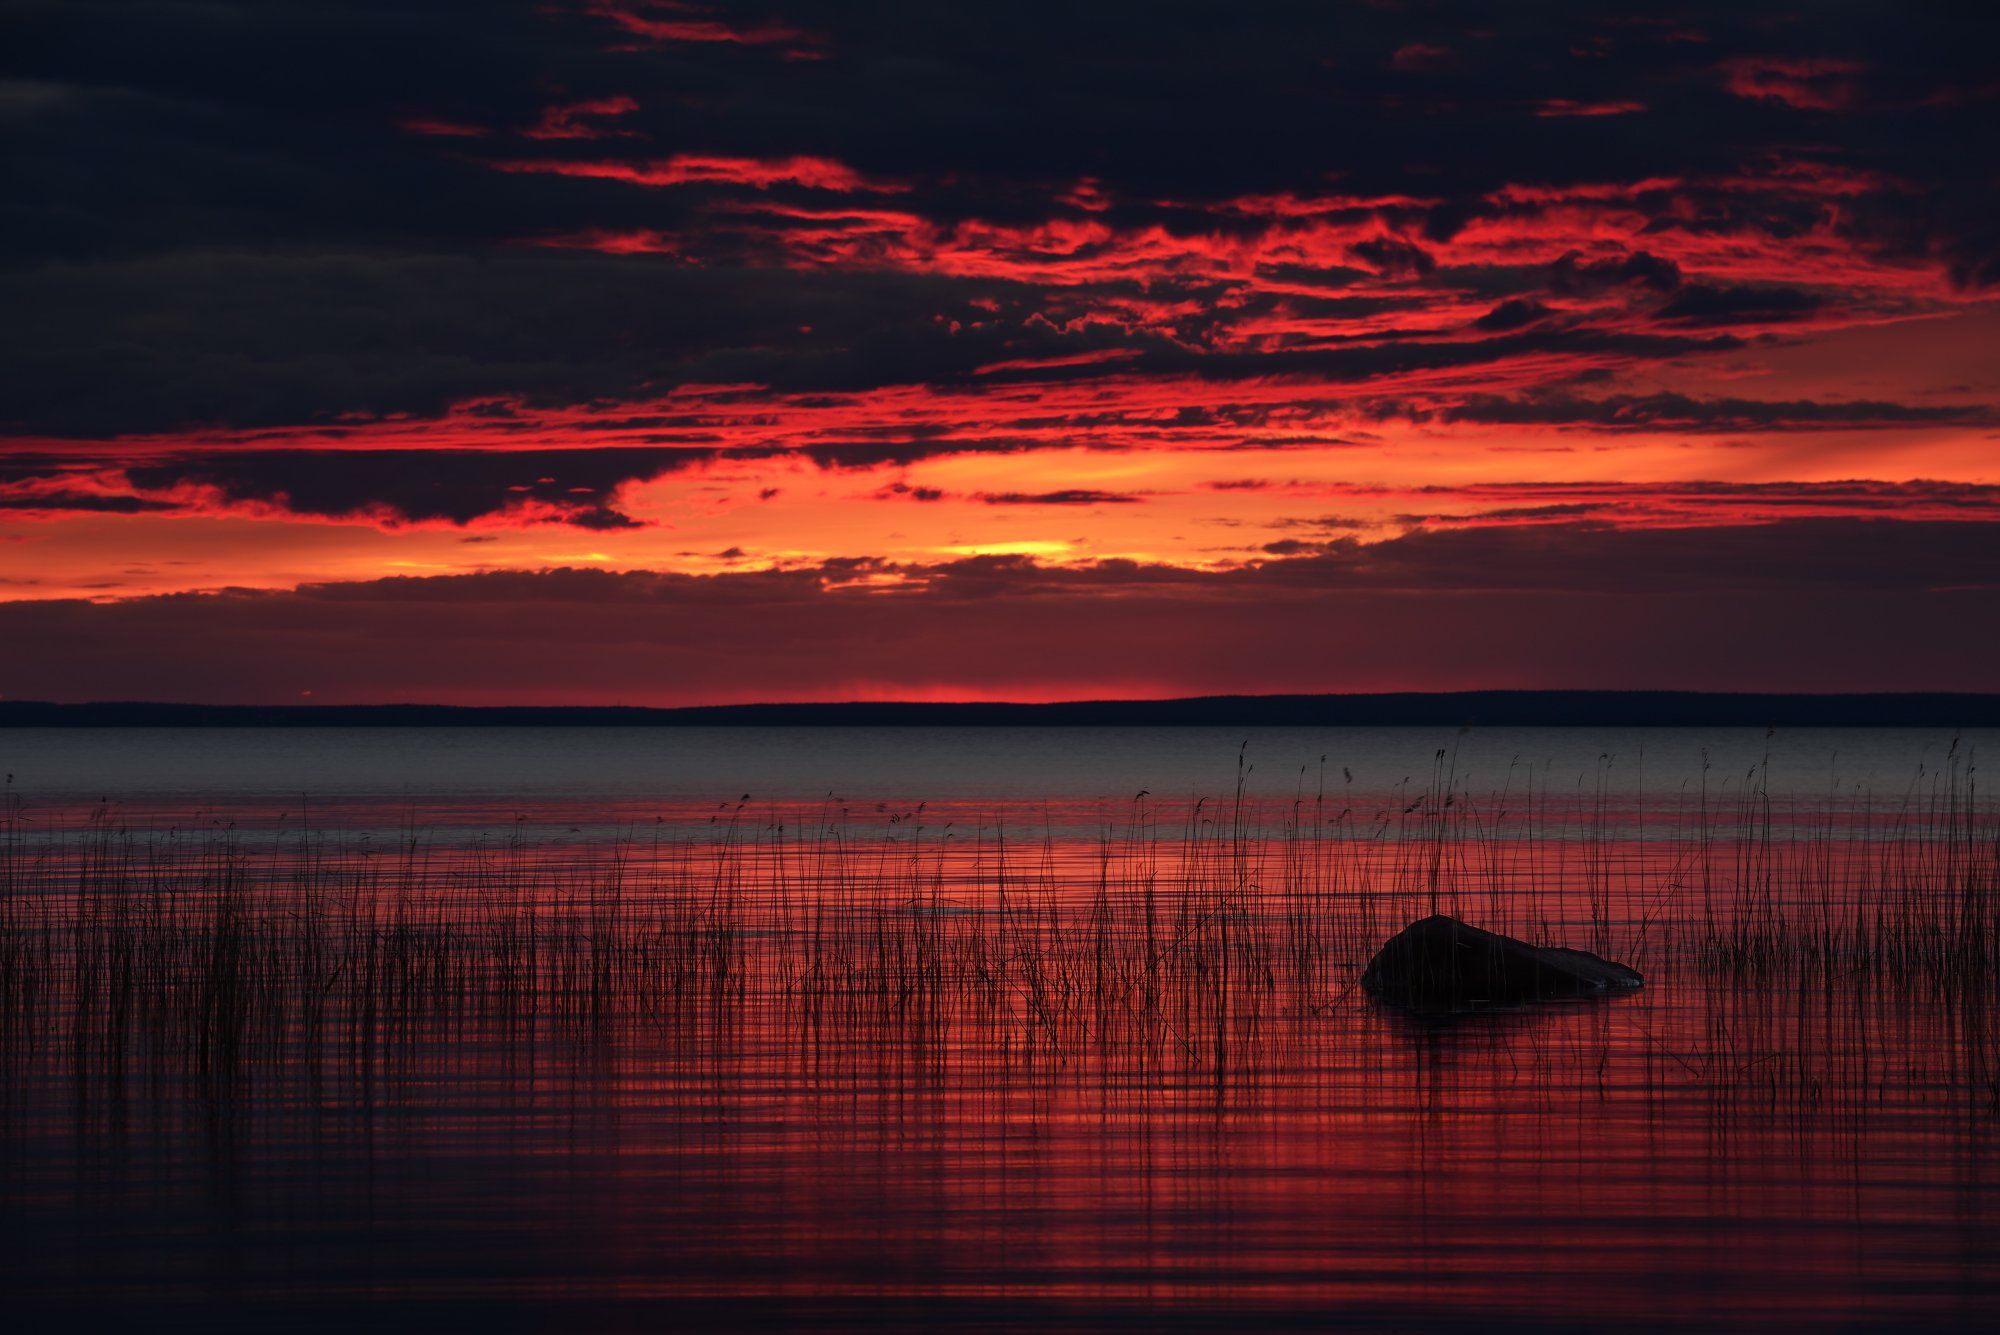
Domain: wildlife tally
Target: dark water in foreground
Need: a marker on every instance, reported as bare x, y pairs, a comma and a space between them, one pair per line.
555, 1031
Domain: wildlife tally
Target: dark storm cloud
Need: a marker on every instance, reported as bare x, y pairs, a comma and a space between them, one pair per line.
1514, 313
1572, 275
201, 339
250, 214
392, 487
1706, 304
419, 486
1067, 496
81, 502
1682, 412
1808, 605
397, 487
1913, 499
1567, 558
1800, 554
897, 92
238, 340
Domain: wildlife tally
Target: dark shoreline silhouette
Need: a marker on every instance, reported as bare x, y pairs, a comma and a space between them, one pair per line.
1401, 709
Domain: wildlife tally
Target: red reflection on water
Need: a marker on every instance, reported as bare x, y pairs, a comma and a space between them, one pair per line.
868, 1066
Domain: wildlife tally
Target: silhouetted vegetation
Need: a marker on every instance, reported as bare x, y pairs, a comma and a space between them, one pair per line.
1192, 943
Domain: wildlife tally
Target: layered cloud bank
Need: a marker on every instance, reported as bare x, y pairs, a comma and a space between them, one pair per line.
814, 350
1812, 605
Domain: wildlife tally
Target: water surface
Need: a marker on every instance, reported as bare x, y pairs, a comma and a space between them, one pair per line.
552, 1029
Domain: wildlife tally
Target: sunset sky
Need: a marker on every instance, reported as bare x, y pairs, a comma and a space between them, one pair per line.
584, 351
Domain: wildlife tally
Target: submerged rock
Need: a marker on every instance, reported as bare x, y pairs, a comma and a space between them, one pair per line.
1439, 964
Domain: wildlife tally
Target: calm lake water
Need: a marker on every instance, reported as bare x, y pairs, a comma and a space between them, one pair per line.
622, 1029
906, 764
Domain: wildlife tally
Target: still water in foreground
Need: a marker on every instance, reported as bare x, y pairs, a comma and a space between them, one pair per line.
619, 1058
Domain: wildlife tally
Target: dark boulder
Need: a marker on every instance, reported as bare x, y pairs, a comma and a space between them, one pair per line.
1439, 964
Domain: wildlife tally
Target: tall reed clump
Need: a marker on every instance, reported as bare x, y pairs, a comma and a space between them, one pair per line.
1181, 947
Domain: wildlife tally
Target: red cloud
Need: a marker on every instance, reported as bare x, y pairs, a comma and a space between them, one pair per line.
1562, 106
703, 169
1807, 83
575, 120
688, 23
1420, 56
1340, 267
441, 128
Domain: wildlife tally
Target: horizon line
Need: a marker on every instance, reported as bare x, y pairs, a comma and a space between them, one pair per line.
1494, 707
